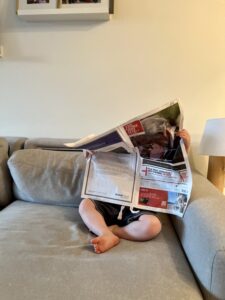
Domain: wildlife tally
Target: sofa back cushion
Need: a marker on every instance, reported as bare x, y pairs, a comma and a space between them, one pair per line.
48, 143
5, 179
48, 177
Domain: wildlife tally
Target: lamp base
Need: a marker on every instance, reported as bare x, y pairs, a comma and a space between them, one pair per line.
216, 171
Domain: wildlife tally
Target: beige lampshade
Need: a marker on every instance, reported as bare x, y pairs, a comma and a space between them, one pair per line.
213, 139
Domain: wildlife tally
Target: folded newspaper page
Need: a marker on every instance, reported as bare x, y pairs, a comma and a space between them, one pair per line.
141, 163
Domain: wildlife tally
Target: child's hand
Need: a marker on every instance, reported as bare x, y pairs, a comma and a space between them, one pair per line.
87, 153
186, 138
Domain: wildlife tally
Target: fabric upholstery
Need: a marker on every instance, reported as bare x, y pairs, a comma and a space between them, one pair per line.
15, 143
48, 143
50, 177
202, 234
46, 254
5, 178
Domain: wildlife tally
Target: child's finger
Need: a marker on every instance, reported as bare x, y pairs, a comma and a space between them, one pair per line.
186, 138
182, 133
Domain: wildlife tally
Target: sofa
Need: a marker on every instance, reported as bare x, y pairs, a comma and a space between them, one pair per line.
45, 251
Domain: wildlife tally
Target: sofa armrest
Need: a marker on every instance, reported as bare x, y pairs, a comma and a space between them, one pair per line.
202, 235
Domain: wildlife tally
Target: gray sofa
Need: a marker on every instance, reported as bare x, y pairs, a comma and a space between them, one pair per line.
45, 251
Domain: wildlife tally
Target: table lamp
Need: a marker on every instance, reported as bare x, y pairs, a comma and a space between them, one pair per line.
213, 145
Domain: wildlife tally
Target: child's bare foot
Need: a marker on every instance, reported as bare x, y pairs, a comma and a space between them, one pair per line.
105, 242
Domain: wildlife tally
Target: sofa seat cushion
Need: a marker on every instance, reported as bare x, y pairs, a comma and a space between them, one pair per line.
49, 177
46, 254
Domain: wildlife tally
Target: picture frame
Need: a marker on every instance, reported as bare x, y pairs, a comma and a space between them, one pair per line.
37, 4
90, 5
67, 10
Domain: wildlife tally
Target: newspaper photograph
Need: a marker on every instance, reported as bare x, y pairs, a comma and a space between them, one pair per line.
141, 163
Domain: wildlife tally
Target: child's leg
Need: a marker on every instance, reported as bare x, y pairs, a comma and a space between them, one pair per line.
96, 223
144, 229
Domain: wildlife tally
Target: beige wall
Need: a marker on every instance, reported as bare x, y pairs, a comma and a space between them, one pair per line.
72, 79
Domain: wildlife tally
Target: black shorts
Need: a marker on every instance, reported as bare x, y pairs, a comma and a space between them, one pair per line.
110, 213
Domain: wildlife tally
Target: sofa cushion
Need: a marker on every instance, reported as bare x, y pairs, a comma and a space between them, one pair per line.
48, 143
46, 254
15, 143
5, 179
50, 177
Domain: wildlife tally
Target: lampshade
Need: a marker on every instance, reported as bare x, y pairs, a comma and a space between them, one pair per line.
213, 139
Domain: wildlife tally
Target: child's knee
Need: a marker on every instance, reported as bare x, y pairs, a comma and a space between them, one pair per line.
155, 226
151, 226
85, 205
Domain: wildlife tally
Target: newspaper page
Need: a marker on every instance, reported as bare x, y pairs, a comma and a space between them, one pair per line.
128, 179
161, 178
165, 186
144, 131
111, 177
113, 140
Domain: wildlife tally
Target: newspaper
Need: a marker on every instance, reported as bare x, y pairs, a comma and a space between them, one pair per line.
141, 163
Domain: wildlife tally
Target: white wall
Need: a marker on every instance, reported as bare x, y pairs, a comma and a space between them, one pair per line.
72, 79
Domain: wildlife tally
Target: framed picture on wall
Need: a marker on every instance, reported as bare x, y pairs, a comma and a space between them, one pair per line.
66, 3
89, 5
37, 4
